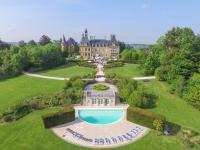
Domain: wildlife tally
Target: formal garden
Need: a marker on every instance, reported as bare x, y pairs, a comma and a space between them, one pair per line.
172, 98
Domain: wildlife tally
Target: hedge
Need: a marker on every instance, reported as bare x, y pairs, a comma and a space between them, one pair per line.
86, 64
144, 117
54, 119
112, 64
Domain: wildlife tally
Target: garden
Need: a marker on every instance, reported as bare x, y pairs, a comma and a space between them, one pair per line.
27, 102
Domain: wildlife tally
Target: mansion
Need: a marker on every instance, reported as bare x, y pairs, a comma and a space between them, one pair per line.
91, 48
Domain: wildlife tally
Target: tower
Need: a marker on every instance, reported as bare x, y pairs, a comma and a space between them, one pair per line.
86, 33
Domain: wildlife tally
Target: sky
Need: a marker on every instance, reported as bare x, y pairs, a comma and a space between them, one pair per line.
132, 21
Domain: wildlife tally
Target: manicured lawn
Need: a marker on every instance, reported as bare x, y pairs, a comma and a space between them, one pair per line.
128, 70
174, 108
14, 90
69, 70
29, 133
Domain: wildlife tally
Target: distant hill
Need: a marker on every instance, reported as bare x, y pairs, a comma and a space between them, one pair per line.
137, 46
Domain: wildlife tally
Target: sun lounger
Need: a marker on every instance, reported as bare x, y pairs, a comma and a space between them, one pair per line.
96, 141
120, 138
114, 140
107, 140
101, 141
130, 135
134, 131
125, 137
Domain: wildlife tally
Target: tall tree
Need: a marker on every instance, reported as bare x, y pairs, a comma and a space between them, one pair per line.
22, 43
44, 40
32, 43
122, 46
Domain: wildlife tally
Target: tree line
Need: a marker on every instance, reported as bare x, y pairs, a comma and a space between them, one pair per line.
44, 54
175, 58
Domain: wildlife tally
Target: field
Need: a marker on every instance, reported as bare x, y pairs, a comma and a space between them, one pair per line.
128, 70
15, 90
67, 71
29, 133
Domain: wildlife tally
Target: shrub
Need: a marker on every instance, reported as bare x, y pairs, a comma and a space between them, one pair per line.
112, 64
146, 118
192, 91
22, 110
54, 119
158, 125
177, 85
100, 87
189, 138
8, 117
86, 64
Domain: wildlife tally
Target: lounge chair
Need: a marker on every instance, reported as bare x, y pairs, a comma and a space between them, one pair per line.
107, 140
114, 140
140, 129
96, 141
130, 135
125, 137
101, 141
120, 138
134, 131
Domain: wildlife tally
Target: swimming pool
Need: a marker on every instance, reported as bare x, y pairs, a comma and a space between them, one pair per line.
101, 116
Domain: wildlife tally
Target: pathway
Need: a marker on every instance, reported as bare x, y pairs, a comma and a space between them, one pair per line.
45, 77
100, 75
144, 78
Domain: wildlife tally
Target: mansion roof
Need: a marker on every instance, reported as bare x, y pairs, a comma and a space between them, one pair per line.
85, 41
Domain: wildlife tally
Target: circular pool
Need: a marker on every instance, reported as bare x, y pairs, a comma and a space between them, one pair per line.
101, 116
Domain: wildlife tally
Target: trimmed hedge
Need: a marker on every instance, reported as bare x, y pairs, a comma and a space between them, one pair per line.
144, 117
86, 64
54, 119
111, 64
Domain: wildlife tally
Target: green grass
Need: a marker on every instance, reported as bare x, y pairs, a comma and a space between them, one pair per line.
29, 133
67, 71
174, 108
128, 70
15, 90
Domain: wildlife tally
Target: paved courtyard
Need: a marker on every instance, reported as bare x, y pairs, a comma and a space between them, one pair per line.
100, 136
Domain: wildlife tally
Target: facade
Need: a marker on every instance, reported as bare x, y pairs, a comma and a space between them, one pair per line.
92, 97
99, 98
90, 48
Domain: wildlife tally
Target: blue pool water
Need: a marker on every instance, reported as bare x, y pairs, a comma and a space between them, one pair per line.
100, 116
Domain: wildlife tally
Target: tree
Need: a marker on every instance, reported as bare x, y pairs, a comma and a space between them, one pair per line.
32, 43
22, 43
122, 46
44, 40
4, 45
133, 56
192, 91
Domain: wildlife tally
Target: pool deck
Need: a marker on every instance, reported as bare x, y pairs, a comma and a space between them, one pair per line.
92, 131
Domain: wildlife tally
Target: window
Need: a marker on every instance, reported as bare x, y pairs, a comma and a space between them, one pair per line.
106, 101
93, 101
101, 101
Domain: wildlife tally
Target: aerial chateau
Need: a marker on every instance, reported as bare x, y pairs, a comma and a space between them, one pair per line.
91, 48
